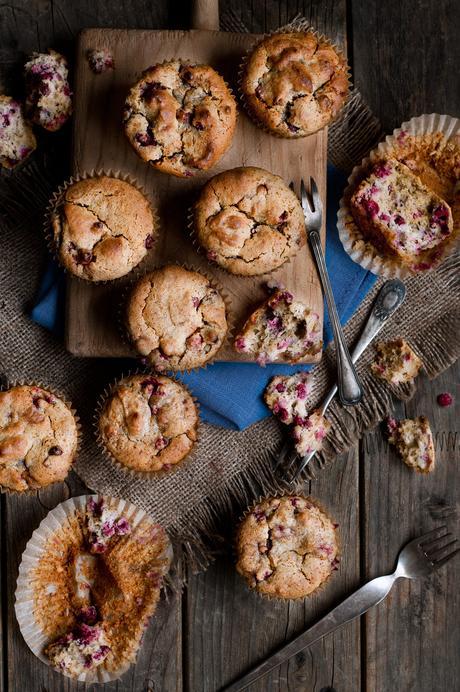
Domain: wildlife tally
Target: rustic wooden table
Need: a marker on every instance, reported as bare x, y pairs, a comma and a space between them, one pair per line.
405, 59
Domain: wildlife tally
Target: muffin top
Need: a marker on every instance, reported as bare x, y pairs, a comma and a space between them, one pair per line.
17, 139
148, 422
180, 117
102, 228
286, 547
48, 100
294, 83
176, 318
249, 221
38, 438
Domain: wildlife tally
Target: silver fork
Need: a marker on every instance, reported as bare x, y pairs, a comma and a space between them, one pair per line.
388, 300
348, 384
419, 558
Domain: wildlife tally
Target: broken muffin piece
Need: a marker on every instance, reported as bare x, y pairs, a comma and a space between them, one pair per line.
17, 140
83, 649
395, 361
48, 100
309, 433
101, 524
413, 440
100, 60
286, 396
401, 216
281, 329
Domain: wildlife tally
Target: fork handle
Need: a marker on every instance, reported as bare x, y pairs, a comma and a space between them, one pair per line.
352, 607
348, 384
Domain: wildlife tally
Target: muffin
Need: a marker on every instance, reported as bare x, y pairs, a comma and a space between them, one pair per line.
286, 547
413, 440
17, 139
400, 215
286, 396
294, 83
180, 118
248, 221
176, 318
148, 423
100, 60
309, 432
102, 227
48, 95
90, 607
281, 329
395, 362
38, 438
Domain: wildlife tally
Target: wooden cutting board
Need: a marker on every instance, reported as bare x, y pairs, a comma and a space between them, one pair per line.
99, 143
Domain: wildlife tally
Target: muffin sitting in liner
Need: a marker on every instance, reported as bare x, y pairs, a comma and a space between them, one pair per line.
248, 221
148, 423
176, 318
102, 227
286, 547
281, 329
95, 586
180, 118
38, 438
294, 83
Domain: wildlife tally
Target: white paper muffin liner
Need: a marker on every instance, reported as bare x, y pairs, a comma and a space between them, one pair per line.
132, 473
56, 201
364, 253
24, 605
278, 495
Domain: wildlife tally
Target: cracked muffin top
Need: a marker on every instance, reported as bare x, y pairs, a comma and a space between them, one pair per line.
149, 422
38, 438
176, 318
294, 84
17, 139
102, 228
180, 117
249, 221
286, 547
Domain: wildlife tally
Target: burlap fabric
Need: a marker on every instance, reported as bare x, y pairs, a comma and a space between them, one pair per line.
231, 468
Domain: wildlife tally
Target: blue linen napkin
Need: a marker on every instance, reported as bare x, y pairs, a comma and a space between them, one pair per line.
230, 394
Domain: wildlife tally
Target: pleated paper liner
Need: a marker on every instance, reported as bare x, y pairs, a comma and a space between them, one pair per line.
132, 473
64, 515
124, 331
18, 383
301, 26
192, 63
249, 510
360, 249
203, 252
57, 200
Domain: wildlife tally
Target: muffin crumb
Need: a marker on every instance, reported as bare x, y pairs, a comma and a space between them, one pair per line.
413, 440
100, 60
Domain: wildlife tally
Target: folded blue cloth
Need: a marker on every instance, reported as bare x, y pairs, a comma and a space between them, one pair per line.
230, 394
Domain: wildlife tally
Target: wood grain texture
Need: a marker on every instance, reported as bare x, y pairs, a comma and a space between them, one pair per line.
99, 142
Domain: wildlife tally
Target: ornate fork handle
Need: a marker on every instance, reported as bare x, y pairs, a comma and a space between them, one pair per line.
350, 390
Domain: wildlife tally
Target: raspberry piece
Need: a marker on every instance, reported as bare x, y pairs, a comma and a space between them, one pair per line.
445, 399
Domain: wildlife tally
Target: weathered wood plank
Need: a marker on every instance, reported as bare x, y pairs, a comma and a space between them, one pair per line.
229, 628
416, 627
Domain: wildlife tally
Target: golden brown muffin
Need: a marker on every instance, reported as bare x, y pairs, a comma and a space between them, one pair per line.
180, 118
400, 215
176, 318
286, 547
295, 83
281, 329
93, 605
102, 228
38, 438
395, 361
148, 422
48, 100
249, 221
17, 140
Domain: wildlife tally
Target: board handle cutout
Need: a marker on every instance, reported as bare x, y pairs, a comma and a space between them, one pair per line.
205, 15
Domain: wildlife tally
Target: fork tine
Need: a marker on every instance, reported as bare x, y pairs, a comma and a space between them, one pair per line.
306, 202
292, 186
315, 194
424, 539
440, 563
438, 554
431, 544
